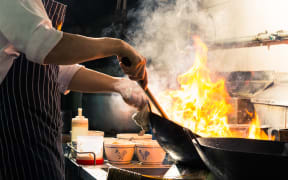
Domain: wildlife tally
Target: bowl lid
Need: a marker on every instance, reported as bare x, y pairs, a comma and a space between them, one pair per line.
113, 142
150, 143
95, 133
133, 136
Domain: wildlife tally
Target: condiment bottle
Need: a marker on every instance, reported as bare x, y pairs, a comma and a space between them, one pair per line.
79, 126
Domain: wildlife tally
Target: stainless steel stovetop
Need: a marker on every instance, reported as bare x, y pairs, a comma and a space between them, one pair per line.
161, 171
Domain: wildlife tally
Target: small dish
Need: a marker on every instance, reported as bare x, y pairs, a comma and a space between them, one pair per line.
150, 152
119, 151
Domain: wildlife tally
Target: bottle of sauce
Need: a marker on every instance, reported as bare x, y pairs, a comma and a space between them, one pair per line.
79, 126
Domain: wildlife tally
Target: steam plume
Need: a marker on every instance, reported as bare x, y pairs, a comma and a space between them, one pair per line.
162, 31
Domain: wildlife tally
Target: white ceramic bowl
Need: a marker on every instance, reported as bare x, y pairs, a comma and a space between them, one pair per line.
119, 151
150, 152
134, 136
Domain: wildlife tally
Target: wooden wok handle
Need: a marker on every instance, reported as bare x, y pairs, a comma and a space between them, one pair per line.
156, 103
151, 97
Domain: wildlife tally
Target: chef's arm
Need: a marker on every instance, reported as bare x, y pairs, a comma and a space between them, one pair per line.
90, 81
74, 49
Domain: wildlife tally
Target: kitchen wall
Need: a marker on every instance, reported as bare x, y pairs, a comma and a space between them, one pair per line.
275, 116
286, 121
238, 18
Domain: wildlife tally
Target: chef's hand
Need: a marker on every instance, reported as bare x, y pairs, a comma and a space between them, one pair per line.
137, 68
141, 118
131, 93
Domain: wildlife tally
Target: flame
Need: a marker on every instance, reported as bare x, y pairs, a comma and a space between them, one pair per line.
255, 132
201, 104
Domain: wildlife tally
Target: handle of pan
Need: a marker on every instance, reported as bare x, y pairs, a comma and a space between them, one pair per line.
151, 97
193, 137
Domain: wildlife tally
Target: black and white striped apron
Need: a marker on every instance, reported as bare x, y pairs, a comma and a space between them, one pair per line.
30, 123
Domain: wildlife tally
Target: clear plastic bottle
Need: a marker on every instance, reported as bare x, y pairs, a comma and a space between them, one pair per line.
79, 126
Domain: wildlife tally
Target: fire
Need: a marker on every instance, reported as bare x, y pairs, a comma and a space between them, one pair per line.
255, 132
201, 104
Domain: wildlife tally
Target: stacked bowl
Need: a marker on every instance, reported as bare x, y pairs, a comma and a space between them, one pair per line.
120, 150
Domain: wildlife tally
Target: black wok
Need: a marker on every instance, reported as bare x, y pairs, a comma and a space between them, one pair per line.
175, 140
236, 158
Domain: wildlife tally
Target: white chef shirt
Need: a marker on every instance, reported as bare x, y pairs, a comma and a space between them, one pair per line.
25, 27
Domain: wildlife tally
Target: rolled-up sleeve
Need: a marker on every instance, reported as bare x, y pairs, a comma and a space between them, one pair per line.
66, 73
27, 27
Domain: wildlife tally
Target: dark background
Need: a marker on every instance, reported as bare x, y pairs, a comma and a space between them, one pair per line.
91, 18
96, 18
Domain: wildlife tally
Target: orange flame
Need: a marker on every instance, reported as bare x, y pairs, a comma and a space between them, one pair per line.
255, 132
200, 104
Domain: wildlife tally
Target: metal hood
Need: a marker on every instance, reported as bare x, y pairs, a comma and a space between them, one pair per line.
276, 95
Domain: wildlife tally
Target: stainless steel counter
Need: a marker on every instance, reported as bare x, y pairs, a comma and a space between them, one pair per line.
167, 171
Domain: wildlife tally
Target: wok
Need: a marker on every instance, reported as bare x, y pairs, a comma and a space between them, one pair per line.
237, 158
175, 140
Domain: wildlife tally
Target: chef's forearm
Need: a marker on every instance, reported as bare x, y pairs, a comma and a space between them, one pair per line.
90, 81
73, 49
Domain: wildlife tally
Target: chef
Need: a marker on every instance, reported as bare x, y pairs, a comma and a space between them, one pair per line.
37, 63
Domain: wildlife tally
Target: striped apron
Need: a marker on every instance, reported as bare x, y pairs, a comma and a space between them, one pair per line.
30, 122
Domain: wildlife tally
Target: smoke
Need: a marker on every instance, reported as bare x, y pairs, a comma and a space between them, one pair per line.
122, 113
162, 31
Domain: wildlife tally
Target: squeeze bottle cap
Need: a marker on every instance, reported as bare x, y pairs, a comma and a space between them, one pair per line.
79, 111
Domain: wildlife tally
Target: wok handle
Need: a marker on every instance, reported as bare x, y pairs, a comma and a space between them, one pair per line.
156, 103
193, 137
151, 97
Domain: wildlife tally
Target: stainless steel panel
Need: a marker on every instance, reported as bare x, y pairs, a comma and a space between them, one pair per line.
274, 116
276, 95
